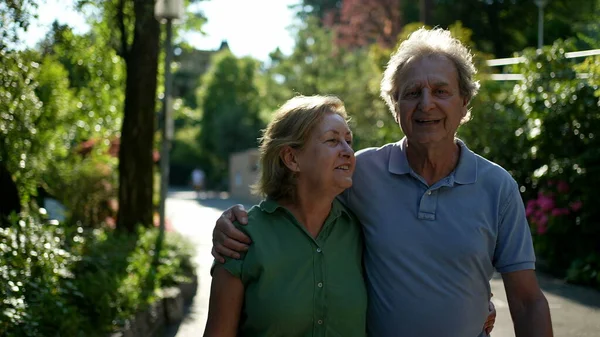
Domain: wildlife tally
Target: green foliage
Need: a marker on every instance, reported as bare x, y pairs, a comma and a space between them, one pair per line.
15, 17
230, 102
92, 280
119, 274
86, 186
317, 66
27, 137
36, 280
544, 131
96, 77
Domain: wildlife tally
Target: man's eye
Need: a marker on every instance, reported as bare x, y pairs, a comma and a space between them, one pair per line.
332, 140
413, 93
349, 142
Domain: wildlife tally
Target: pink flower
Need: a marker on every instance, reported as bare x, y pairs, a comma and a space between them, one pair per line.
541, 229
560, 211
562, 186
576, 205
542, 221
546, 203
531, 205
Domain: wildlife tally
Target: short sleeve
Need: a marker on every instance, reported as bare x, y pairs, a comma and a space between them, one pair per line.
514, 247
234, 266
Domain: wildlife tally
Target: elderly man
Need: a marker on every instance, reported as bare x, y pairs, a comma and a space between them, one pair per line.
437, 218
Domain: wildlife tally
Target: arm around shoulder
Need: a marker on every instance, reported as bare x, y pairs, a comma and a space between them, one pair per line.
226, 300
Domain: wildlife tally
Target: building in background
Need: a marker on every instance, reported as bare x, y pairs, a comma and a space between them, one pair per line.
192, 64
243, 172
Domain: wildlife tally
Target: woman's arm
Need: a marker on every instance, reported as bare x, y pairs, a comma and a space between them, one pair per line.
225, 306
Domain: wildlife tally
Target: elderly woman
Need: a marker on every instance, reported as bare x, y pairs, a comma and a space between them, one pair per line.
303, 275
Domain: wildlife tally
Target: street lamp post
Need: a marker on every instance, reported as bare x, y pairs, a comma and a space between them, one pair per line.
540, 4
166, 11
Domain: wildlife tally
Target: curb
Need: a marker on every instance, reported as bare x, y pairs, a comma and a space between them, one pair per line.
167, 310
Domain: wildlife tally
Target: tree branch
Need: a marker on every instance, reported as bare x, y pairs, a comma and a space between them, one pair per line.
124, 50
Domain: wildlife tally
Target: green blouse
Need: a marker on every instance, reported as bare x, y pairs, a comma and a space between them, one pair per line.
296, 285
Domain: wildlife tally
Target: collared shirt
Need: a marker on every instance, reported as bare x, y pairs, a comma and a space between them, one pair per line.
299, 286
431, 250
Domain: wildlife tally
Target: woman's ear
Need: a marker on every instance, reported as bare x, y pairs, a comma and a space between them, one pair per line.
289, 158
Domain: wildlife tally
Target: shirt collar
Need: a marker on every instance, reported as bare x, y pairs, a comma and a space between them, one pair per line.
269, 205
465, 172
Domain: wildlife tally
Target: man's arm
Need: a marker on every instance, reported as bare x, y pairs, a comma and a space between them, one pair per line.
225, 306
528, 305
228, 240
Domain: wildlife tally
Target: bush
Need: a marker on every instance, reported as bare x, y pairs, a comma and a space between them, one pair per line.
545, 131
92, 279
86, 186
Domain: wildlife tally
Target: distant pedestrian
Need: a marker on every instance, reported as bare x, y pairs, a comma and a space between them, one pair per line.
198, 180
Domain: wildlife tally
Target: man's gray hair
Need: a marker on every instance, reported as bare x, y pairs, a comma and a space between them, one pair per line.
425, 42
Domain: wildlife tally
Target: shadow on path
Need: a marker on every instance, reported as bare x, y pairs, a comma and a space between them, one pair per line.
580, 294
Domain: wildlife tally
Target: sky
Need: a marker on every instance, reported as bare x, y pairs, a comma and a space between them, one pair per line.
251, 27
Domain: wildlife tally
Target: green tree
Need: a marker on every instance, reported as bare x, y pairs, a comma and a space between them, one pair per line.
318, 66
230, 101
134, 33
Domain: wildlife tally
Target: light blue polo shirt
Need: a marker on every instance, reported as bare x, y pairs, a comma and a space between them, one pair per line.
431, 251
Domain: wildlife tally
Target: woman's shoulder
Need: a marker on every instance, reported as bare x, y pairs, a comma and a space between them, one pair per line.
260, 216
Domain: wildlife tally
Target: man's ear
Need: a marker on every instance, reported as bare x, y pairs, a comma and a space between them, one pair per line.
289, 158
465, 108
396, 113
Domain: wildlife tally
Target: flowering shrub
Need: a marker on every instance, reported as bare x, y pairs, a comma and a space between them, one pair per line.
545, 131
552, 208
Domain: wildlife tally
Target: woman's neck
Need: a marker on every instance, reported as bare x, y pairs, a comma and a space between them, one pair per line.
310, 210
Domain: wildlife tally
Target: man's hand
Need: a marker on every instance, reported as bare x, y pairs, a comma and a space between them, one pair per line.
228, 240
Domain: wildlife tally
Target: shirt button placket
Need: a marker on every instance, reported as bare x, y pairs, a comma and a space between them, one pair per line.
320, 307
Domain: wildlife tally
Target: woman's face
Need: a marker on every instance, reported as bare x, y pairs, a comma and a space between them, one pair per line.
327, 160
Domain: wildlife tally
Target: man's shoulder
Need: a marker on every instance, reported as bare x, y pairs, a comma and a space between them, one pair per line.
492, 173
375, 153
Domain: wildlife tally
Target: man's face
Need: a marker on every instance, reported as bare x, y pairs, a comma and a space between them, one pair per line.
430, 107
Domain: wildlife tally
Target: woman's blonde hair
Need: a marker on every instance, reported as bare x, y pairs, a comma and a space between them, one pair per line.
292, 125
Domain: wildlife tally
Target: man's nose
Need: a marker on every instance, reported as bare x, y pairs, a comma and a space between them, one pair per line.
426, 100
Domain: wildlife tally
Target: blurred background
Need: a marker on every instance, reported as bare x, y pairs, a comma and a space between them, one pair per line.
101, 104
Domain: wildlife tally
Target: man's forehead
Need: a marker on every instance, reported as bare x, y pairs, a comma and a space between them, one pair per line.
434, 69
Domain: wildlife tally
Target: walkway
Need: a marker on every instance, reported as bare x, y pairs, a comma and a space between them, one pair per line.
575, 310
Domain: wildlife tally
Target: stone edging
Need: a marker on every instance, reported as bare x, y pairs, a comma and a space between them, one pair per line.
167, 310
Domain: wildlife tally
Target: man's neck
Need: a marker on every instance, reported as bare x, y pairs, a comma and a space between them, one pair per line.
433, 163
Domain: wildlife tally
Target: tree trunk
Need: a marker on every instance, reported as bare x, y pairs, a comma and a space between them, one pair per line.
135, 153
9, 198
425, 12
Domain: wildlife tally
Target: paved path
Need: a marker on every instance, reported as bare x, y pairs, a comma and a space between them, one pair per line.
195, 218
575, 310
